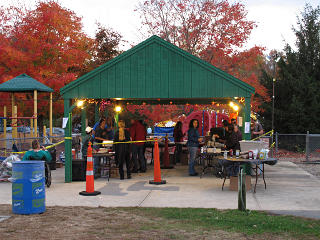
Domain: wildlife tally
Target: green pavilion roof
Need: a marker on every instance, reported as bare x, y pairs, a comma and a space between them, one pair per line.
156, 69
23, 83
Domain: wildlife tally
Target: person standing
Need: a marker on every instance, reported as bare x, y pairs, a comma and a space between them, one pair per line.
224, 132
109, 127
122, 149
234, 139
100, 135
193, 144
178, 139
256, 129
138, 133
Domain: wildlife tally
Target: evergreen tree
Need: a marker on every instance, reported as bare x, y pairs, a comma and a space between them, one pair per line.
297, 89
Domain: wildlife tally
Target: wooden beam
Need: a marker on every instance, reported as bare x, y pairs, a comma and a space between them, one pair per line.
35, 112
13, 121
31, 127
14, 127
44, 131
5, 126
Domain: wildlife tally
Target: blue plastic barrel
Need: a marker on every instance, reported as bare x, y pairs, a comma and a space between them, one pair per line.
28, 187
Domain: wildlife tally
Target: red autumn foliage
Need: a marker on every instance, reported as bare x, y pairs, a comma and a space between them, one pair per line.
47, 43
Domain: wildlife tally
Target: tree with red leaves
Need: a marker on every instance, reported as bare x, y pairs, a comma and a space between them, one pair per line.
211, 30
47, 43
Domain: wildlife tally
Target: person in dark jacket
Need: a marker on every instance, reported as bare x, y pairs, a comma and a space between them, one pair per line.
178, 138
193, 144
234, 139
224, 135
138, 133
100, 135
122, 149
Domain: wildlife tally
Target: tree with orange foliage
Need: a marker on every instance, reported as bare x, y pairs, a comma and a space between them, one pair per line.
47, 43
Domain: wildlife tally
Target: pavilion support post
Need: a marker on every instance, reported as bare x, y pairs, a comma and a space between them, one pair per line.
247, 130
5, 127
246, 119
83, 122
12, 103
50, 115
96, 112
12, 113
35, 112
31, 127
68, 141
14, 127
44, 131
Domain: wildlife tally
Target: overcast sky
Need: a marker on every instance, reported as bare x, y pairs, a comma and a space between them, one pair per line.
274, 18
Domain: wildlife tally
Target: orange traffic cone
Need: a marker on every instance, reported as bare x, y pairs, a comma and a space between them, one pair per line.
166, 158
157, 173
89, 176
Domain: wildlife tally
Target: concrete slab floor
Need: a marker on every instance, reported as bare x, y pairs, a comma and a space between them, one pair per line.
289, 189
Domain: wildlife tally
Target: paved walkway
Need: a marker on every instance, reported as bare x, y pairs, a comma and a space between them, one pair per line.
290, 190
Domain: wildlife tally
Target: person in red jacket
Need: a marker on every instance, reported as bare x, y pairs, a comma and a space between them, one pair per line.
138, 133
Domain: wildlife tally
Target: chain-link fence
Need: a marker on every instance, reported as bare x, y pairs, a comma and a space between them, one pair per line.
298, 147
9, 144
312, 147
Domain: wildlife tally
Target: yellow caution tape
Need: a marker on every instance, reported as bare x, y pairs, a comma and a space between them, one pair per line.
51, 146
272, 145
270, 132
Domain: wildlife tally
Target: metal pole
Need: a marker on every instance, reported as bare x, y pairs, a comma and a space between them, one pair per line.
242, 191
307, 146
272, 123
68, 154
277, 143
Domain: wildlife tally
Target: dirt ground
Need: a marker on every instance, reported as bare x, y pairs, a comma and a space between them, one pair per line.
104, 223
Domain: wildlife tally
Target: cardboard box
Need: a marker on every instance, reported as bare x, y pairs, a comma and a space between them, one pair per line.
234, 183
114, 172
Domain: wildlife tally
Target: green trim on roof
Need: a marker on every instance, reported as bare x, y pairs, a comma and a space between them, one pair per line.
23, 83
110, 70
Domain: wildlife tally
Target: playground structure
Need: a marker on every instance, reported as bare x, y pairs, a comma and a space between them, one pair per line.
23, 83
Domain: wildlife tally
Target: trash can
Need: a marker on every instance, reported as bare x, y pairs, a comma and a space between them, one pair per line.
28, 187
79, 168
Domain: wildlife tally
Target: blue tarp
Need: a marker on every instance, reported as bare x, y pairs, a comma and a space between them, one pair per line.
162, 131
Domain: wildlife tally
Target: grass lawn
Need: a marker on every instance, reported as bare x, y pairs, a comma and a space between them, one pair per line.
154, 223
249, 223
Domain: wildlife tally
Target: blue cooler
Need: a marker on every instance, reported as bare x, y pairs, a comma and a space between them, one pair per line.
28, 187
